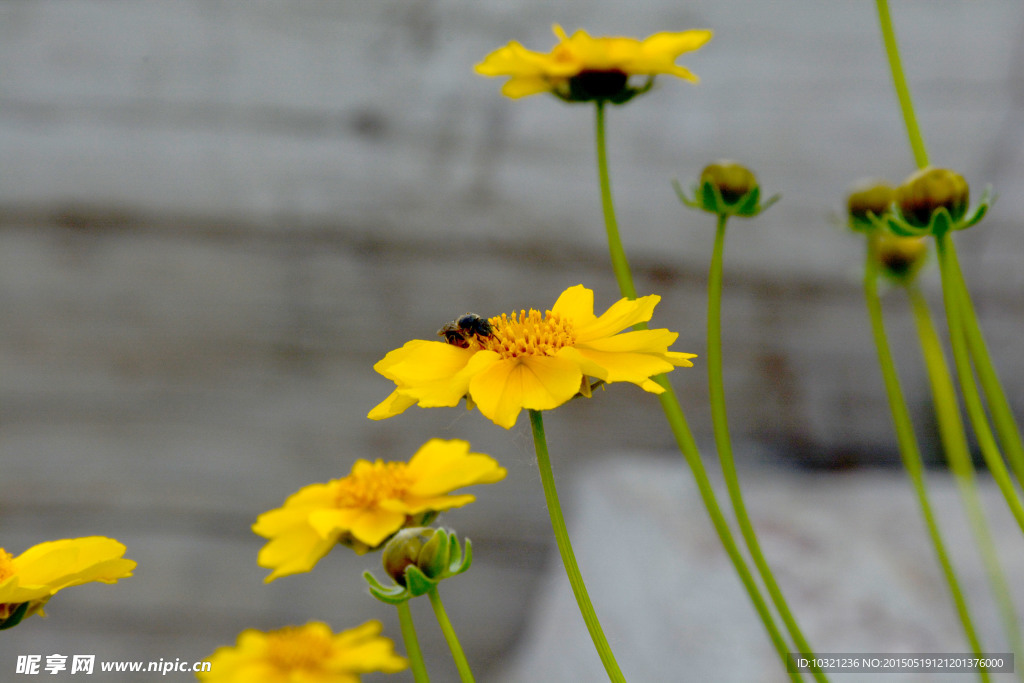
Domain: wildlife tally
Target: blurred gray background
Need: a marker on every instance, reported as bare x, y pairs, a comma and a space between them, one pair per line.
216, 215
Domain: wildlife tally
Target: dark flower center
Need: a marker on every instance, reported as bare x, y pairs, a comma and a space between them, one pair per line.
597, 85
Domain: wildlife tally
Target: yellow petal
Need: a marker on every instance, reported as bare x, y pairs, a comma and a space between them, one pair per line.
622, 314
577, 304
443, 466
522, 86
295, 552
395, 404
636, 368
71, 562
675, 44
372, 527
537, 383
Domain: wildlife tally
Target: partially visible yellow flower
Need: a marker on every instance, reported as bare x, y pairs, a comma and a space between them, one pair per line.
533, 360
368, 506
34, 576
583, 68
304, 654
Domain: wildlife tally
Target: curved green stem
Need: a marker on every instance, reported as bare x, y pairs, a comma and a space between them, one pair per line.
674, 412
412, 644
723, 443
572, 570
909, 451
972, 400
892, 51
1002, 416
465, 675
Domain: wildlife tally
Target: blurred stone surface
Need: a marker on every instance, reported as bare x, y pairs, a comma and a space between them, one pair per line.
848, 550
216, 215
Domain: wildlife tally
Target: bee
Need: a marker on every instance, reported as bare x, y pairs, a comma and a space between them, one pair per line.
464, 329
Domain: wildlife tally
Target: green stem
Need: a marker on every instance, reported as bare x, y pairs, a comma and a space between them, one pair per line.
412, 644
972, 400
723, 443
892, 51
674, 412
572, 570
1002, 416
620, 265
954, 443
465, 675
909, 451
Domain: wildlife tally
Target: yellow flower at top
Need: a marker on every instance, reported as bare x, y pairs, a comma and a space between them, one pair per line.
29, 580
368, 506
533, 360
304, 654
582, 68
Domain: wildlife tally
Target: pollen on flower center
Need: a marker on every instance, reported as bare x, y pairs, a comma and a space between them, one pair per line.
6, 565
366, 486
529, 334
293, 648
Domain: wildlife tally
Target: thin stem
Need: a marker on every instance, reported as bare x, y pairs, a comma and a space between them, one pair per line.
619, 262
892, 51
1002, 416
954, 442
723, 443
572, 570
412, 644
972, 400
674, 412
909, 451
449, 635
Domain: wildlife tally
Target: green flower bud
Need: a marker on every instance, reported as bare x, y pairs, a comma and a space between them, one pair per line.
726, 188
404, 550
901, 257
929, 189
732, 180
418, 558
868, 199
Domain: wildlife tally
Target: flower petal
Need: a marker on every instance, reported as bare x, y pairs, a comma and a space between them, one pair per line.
622, 314
440, 467
536, 383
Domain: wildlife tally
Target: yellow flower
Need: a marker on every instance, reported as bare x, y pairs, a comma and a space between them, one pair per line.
33, 577
368, 506
582, 68
532, 360
304, 654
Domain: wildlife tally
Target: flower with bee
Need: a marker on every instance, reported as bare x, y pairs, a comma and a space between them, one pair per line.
532, 360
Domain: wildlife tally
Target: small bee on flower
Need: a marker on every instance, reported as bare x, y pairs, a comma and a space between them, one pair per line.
464, 329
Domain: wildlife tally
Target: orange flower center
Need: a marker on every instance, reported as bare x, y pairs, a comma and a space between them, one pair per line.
292, 648
529, 334
6, 565
371, 483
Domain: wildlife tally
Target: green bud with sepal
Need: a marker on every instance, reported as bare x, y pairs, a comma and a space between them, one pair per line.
417, 559
726, 188
15, 616
934, 201
868, 202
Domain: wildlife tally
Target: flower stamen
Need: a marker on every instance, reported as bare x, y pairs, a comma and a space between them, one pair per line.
292, 648
372, 483
529, 334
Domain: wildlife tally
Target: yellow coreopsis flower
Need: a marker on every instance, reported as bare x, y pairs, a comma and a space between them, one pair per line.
368, 506
29, 580
304, 654
582, 68
533, 360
